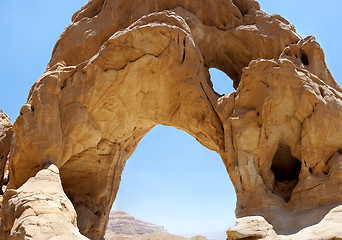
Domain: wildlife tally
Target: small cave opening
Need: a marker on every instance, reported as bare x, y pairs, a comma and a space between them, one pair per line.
285, 168
305, 59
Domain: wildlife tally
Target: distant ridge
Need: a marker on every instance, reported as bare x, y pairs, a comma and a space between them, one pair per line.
122, 226
123, 223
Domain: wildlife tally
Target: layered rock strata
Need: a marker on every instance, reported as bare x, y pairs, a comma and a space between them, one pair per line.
122, 67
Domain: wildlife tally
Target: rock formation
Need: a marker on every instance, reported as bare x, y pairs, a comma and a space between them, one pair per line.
123, 66
256, 227
6, 132
285, 139
39, 209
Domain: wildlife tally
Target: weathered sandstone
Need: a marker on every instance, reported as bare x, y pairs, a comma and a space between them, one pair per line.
285, 143
6, 132
39, 210
124, 66
256, 227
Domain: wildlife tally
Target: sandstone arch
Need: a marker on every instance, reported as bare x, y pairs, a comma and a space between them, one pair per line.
122, 67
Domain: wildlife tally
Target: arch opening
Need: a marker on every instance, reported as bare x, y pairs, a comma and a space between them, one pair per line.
173, 181
222, 83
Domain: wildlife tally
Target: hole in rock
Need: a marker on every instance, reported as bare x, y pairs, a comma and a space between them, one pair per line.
171, 180
286, 170
305, 59
222, 84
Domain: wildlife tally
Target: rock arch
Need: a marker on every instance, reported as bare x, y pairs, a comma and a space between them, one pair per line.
122, 67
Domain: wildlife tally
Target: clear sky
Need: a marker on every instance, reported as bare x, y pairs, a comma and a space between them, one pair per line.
171, 179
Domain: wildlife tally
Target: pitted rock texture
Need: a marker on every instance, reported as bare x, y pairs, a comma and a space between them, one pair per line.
286, 140
123, 66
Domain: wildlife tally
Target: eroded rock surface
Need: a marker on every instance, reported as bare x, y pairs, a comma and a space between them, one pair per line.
6, 132
257, 227
122, 67
39, 210
286, 140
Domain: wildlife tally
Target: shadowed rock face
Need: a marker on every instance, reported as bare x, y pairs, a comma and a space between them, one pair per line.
122, 67
6, 132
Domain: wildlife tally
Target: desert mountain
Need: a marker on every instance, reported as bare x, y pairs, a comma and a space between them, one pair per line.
122, 226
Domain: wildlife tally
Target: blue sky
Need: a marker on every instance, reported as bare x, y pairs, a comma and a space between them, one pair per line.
171, 179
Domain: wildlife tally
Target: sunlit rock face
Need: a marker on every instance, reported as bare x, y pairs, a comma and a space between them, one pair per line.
285, 150
122, 67
39, 209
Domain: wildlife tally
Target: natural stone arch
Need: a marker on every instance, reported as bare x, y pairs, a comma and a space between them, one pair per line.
102, 92
132, 83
